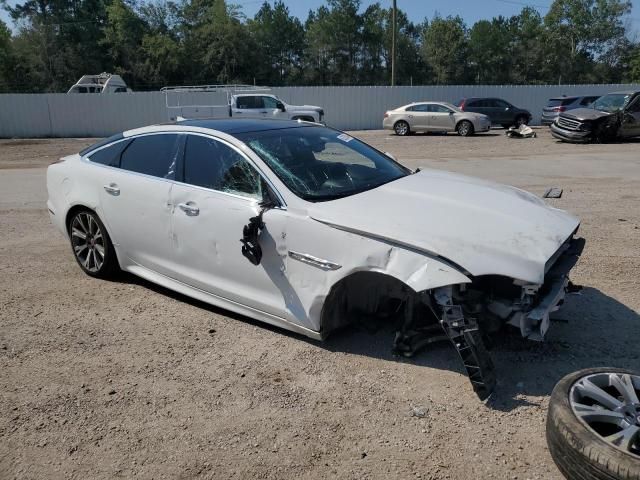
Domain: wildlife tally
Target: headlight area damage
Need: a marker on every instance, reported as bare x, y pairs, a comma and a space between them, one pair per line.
587, 125
466, 314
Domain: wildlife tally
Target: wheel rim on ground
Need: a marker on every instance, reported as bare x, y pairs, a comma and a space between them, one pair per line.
402, 128
463, 129
608, 404
87, 240
521, 121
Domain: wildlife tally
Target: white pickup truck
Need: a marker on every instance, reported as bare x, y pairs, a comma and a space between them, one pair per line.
270, 106
239, 101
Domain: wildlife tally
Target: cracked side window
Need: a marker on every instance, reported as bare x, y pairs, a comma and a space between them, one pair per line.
211, 164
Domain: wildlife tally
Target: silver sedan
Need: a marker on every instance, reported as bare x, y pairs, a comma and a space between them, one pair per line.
434, 117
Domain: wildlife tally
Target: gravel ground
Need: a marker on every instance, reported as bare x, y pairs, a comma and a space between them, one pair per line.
119, 379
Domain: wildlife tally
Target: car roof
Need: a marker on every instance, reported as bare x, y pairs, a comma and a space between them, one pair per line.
229, 126
243, 125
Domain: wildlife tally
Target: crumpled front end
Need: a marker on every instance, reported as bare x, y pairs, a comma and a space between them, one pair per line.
469, 313
496, 301
574, 129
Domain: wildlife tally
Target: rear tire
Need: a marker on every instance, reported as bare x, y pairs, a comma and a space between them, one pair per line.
91, 245
521, 120
581, 452
465, 128
401, 128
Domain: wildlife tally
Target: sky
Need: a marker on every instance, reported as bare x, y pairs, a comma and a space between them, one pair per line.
417, 10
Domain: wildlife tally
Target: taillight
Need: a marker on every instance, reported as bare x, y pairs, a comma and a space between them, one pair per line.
386, 114
559, 109
462, 105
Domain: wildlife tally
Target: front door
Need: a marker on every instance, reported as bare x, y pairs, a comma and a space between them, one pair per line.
135, 197
441, 118
217, 196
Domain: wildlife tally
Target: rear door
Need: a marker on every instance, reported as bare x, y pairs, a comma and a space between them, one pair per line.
248, 106
135, 199
418, 116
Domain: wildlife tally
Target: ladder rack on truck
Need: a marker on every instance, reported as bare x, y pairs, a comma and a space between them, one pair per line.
198, 101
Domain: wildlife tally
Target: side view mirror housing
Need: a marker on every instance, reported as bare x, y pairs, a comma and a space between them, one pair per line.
280, 106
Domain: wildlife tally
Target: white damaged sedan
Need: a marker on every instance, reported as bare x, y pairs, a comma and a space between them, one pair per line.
307, 228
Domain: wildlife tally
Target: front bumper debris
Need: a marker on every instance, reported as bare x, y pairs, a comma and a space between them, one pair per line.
571, 136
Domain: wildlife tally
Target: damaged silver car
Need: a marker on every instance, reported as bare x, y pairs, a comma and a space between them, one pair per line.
613, 116
310, 229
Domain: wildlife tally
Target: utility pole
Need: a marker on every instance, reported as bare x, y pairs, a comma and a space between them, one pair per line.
393, 45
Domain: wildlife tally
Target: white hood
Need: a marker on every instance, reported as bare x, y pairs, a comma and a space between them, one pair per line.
483, 227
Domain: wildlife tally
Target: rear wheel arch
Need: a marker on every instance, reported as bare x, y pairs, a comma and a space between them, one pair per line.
111, 263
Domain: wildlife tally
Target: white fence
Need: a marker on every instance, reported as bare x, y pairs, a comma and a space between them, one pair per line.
347, 108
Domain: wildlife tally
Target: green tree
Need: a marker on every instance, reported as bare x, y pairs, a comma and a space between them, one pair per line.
375, 57
531, 59
56, 41
333, 38
444, 48
220, 49
279, 38
580, 31
490, 51
122, 40
6, 58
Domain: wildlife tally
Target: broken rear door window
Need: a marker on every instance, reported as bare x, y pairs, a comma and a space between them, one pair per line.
211, 164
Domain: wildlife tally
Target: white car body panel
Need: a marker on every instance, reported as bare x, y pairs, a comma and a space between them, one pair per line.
426, 230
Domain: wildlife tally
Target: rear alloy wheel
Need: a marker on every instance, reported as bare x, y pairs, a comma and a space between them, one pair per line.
521, 120
465, 128
91, 245
402, 128
593, 425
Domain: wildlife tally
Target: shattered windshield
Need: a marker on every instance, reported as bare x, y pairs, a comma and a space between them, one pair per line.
611, 103
318, 163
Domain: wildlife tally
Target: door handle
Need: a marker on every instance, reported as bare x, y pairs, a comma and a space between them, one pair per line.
264, 112
112, 189
190, 209
410, 116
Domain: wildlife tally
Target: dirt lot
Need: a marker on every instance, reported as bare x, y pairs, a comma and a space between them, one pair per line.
120, 379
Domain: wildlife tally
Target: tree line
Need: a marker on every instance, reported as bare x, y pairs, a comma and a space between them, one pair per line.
153, 43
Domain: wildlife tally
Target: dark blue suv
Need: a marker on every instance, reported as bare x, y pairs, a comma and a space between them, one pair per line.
499, 111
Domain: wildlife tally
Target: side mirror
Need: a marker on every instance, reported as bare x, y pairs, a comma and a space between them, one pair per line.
391, 156
450, 112
280, 106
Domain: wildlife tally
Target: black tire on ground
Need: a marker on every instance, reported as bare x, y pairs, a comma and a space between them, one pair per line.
94, 247
465, 128
579, 452
401, 128
521, 120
